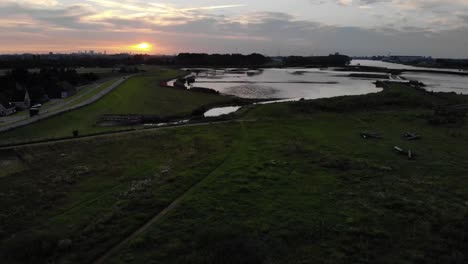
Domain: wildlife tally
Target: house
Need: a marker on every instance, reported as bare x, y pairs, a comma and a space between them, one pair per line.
21, 99
7, 109
67, 90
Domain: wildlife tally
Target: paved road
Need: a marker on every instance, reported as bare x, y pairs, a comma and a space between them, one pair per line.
64, 103
62, 108
51, 106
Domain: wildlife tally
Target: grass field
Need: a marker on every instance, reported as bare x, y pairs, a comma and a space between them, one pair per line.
301, 186
96, 201
139, 95
297, 185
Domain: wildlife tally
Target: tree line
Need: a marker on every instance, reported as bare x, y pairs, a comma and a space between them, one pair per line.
183, 59
452, 63
332, 60
226, 60
43, 85
76, 60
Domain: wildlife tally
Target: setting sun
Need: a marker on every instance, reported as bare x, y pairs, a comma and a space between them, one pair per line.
144, 46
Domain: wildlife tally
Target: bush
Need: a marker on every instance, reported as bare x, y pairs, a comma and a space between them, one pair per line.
221, 246
30, 247
442, 117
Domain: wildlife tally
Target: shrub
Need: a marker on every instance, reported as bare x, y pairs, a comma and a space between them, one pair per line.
30, 247
223, 246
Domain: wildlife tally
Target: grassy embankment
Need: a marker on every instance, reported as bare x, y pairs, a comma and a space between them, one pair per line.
303, 187
298, 185
85, 93
138, 95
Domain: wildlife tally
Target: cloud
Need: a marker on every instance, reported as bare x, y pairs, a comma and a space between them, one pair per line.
436, 15
33, 3
211, 7
345, 2
113, 25
69, 17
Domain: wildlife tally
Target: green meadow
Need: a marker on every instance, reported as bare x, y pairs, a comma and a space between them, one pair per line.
281, 183
140, 95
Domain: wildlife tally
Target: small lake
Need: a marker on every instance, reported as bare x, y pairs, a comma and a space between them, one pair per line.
285, 83
219, 111
314, 83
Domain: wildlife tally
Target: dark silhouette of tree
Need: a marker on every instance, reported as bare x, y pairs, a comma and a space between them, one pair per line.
221, 60
332, 60
42, 85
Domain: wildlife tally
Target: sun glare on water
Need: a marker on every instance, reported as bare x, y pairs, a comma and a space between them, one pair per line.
144, 46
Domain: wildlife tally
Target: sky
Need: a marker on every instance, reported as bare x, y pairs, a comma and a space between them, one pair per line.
437, 28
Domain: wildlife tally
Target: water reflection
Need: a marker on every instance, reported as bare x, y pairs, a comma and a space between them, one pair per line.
436, 82
286, 83
219, 111
441, 82
314, 83
396, 66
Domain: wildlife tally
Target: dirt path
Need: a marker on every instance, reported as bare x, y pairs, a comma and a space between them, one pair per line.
117, 248
117, 133
143, 228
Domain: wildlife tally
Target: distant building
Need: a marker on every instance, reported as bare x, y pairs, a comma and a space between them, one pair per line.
7, 109
21, 99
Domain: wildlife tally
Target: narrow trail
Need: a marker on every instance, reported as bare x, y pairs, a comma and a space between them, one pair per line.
117, 133
239, 146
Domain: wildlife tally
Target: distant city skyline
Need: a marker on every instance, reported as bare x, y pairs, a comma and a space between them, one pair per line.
437, 28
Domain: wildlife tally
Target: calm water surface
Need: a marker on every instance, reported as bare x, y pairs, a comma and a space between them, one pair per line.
441, 82
286, 83
296, 83
395, 66
435, 81
219, 111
